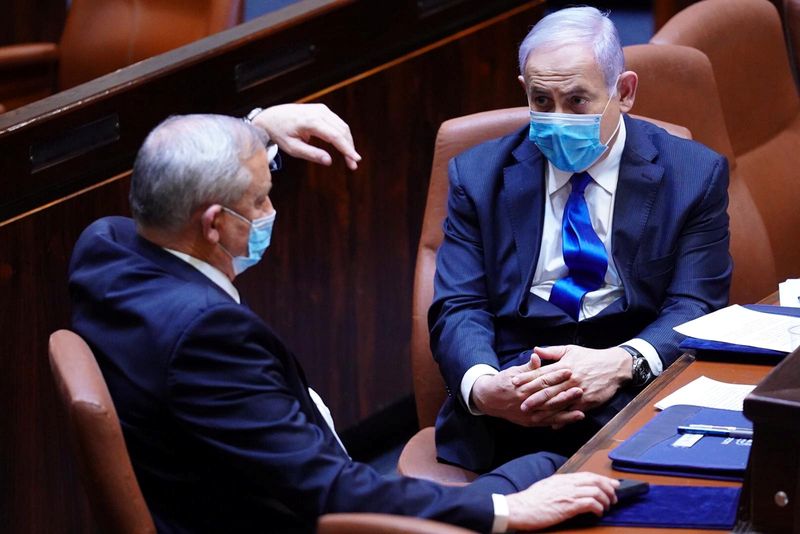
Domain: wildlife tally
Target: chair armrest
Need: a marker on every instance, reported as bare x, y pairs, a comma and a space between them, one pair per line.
418, 460
27, 55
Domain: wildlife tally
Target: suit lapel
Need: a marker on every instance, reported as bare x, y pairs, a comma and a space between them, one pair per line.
524, 190
637, 188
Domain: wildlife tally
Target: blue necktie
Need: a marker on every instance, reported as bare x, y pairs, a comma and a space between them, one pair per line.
584, 253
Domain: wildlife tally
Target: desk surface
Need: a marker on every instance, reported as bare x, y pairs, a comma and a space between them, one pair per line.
594, 455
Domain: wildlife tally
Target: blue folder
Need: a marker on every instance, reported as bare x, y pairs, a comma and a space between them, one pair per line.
652, 449
721, 346
691, 507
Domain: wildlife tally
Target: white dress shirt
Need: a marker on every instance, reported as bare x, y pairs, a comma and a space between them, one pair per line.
600, 195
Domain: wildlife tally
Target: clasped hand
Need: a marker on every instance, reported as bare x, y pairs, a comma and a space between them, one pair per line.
557, 394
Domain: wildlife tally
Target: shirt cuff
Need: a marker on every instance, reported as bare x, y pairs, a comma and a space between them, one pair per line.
649, 352
501, 513
468, 381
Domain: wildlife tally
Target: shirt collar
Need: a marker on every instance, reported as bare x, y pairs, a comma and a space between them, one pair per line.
213, 274
605, 172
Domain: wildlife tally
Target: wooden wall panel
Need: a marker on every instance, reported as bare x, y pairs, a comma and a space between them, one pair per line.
336, 283
31, 20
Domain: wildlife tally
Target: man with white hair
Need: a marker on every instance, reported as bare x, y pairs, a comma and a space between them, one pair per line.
223, 431
580, 241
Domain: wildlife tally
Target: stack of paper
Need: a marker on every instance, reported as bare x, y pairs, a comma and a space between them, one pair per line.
708, 393
741, 326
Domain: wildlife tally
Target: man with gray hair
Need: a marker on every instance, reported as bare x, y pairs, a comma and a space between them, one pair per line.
223, 431
580, 241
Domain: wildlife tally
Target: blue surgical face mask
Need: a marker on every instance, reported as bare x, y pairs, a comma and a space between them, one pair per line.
571, 142
257, 243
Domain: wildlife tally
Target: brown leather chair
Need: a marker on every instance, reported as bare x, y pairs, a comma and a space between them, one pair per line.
418, 458
744, 41
103, 461
101, 36
676, 84
383, 524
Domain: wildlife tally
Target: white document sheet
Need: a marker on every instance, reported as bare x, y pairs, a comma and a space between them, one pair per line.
790, 292
708, 393
739, 325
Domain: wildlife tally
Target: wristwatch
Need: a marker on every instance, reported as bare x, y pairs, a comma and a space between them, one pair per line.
252, 115
640, 368
272, 149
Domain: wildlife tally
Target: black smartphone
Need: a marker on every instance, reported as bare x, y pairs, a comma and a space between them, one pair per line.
631, 488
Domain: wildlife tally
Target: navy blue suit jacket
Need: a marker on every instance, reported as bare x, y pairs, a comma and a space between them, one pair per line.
216, 414
669, 244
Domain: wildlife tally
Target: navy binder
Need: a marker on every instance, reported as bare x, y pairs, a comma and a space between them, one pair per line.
653, 448
721, 346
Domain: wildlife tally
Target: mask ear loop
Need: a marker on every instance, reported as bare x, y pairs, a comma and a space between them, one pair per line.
613, 92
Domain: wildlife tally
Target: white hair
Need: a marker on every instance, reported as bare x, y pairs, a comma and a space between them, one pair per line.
188, 162
578, 25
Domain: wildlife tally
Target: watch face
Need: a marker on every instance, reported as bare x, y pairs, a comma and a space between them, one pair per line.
641, 371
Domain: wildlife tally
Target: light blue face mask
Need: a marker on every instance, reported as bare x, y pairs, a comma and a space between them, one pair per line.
257, 243
571, 142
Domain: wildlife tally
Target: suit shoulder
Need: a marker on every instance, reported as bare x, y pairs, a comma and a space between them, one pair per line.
669, 144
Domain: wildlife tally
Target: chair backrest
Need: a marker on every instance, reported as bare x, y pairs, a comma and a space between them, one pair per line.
101, 36
745, 42
676, 84
455, 136
383, 524
103, 461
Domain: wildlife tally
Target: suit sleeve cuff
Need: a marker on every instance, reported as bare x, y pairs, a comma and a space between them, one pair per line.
468, 381
649, 352
501, 513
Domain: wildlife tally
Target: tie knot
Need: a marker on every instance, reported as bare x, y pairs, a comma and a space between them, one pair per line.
579, 182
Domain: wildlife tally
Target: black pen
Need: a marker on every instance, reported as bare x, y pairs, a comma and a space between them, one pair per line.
717, 430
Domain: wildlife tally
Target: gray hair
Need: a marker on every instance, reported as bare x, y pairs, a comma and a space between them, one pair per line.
581, 25
188, 162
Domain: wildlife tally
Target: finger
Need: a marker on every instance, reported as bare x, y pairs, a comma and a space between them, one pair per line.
555, 397
587, 505
300, 149
561, 402
523, 376
335, 124
556, 352
351, 163
530, 383
340, 138
607, 485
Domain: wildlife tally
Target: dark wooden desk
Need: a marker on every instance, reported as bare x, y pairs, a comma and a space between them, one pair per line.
594, 455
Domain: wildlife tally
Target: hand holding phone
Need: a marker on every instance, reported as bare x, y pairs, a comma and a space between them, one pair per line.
631, 488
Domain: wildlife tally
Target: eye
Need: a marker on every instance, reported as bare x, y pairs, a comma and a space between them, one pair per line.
578, 101
541, 102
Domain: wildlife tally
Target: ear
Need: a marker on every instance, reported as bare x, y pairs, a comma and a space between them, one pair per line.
628, 82
210, 220
523, 84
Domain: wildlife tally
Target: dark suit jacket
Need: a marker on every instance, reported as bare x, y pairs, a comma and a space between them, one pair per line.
670, 247
216, 414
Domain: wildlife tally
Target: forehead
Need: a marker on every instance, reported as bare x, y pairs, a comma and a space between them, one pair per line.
564, 66
258, 164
